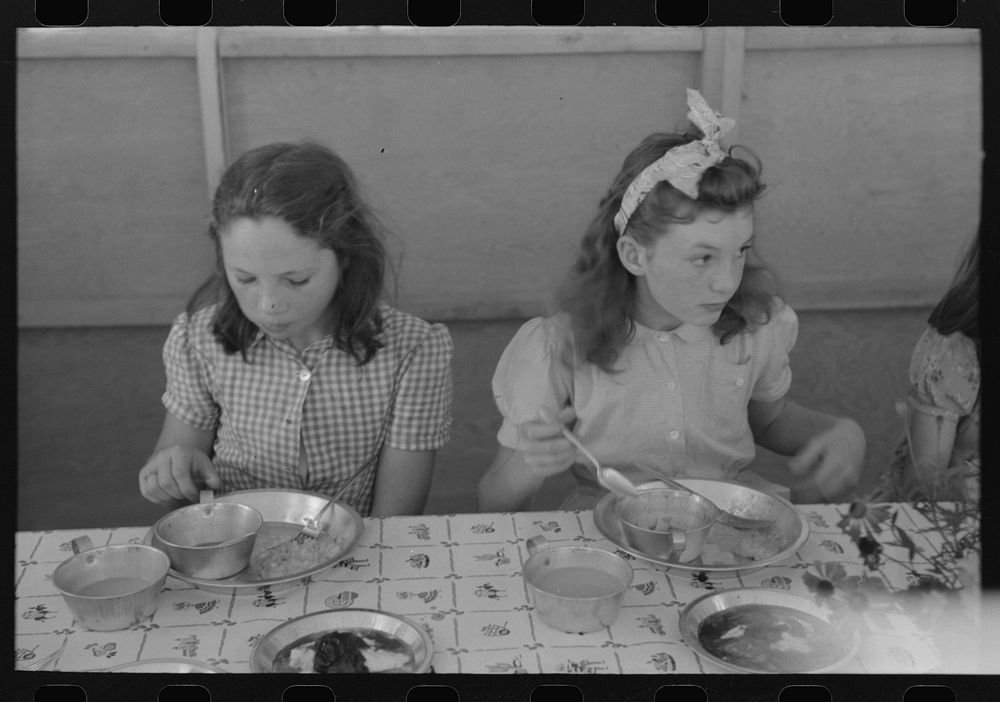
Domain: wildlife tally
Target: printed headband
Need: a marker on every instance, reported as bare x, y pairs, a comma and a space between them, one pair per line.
682, 166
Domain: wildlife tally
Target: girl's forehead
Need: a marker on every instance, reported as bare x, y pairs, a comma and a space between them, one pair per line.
267, 242
713, 228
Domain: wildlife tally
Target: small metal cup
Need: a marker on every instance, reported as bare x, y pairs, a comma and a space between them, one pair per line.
586, 606
111, 587
666, 524
210, 540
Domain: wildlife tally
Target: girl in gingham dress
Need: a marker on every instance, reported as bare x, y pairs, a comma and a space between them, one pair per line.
286, 370
670, 351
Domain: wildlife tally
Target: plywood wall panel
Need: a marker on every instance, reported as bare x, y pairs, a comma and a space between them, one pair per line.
487, 169
111, 190
874, 170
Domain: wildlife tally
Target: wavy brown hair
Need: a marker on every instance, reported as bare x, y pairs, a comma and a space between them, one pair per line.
599, 294
958, 309
312, 189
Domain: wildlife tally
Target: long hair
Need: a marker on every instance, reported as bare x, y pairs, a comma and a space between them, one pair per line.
314, 191
599, 294
958, 309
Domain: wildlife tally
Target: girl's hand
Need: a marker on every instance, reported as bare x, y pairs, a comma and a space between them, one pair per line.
833, 458
171, 475
545, 450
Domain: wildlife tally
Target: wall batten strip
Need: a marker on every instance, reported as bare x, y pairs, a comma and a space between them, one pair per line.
212, 112
722, 72
248, 42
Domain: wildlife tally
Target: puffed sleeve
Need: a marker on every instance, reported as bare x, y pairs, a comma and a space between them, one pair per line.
777, 338
421, 414
944, 374
188, 395
531, 375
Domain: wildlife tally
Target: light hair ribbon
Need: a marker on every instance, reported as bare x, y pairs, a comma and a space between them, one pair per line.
682, 166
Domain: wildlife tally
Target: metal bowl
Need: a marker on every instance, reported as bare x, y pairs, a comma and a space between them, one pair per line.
210, 540
111, 587
784, 538
271, 644
576, 589
666, 523
842, 645
285, 513
164, 665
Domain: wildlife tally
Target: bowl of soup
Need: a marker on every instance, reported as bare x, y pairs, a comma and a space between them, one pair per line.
111, 587
575, 589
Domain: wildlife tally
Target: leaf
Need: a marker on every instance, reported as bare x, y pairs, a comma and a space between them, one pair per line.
908, 543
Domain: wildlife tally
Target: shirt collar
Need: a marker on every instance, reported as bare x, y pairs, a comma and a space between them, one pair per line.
321, 345
689, 333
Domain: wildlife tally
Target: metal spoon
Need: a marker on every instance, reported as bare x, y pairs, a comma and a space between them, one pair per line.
727, 518
609, 478
45, 660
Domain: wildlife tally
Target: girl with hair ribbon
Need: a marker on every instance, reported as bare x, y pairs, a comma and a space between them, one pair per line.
287, 370
669, 352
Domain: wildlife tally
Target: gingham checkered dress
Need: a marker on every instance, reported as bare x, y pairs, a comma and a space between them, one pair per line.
340, 414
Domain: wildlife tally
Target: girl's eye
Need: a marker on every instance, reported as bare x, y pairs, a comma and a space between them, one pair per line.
244, 281
701, 260
298, 283
743, 251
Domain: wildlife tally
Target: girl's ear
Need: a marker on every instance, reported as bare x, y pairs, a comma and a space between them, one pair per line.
632, 254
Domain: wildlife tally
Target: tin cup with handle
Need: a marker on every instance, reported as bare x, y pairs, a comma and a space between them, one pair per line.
666, 524
576, 589
111, 587
209, 540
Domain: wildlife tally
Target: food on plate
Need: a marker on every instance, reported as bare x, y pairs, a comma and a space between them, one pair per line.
771, 638
346, 651
746, 545
290, 557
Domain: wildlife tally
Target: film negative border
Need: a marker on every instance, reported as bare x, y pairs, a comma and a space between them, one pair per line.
838, 13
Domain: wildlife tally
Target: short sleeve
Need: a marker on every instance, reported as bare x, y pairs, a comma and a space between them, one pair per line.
776, 340
421, 414
532, 375
944, 374
188, 394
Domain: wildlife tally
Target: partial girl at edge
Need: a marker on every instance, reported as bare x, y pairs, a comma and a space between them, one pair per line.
669, 352
938, 454
287, 370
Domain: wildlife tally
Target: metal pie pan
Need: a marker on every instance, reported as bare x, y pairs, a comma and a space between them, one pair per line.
414, 635
700, 609
285, 513
788, 534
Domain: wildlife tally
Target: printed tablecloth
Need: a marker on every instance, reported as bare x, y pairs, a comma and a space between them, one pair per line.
459, 576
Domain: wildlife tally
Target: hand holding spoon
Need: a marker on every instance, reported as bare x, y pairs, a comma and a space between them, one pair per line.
609, 478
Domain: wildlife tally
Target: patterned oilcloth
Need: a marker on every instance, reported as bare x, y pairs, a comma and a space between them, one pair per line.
319, 402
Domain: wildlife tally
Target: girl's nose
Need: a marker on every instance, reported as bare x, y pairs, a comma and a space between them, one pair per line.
269, 303
728, 279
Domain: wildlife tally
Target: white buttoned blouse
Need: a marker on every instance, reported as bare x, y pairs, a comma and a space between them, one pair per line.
678, 404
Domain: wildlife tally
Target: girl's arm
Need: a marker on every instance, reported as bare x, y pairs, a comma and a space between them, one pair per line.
402, 482
931, 438
181, 457
830, 450
515, 475
509, 484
